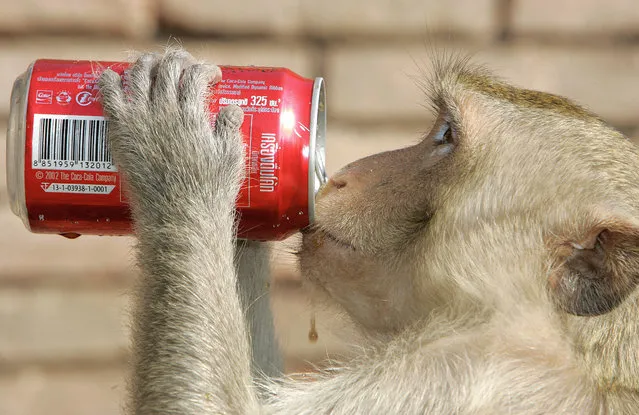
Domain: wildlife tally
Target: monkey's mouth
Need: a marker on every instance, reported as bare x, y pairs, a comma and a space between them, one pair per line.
338, 241
318, 236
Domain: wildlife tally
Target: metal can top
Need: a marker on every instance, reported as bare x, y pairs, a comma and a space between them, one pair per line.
317, 145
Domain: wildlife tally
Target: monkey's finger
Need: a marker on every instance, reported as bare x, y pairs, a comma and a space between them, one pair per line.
229, 140
141, 77
165, 92
229, 120
195, 91
113, 100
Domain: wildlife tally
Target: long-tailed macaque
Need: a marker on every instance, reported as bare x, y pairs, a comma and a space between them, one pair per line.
493, 266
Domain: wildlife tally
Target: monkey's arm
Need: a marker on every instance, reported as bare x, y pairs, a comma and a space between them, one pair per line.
467, 373
190, 345
253, 285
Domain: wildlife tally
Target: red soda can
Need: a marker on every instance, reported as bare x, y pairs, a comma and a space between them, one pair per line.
61, 178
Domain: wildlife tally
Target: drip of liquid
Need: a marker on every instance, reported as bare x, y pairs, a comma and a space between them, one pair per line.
70, 235
312, 333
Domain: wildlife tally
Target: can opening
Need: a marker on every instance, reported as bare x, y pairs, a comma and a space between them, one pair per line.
317, 145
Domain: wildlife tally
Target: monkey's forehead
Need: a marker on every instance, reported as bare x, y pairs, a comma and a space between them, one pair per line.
524, 98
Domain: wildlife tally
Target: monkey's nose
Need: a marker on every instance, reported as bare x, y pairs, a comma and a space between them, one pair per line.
334, 184
337, 182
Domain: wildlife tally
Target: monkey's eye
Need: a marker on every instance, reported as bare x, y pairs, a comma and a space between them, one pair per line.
445, 135
444, 140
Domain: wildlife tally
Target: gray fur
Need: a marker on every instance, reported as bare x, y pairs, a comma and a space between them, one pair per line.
444, 262
253, 286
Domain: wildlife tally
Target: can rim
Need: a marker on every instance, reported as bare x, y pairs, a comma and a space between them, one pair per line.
16, 141
317, 145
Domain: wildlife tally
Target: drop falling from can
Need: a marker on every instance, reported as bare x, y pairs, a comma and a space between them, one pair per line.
61, 178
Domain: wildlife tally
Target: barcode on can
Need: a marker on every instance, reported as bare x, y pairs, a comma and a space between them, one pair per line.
70, 142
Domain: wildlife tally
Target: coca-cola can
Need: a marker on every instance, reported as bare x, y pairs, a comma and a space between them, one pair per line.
61, 178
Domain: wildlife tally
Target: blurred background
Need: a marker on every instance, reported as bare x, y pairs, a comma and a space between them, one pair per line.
63, 330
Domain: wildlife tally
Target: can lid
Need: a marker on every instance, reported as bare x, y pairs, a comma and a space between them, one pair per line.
317, 145
16, 144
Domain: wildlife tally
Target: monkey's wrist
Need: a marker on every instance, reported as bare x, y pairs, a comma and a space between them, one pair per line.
203, 189
186, 229
183, 213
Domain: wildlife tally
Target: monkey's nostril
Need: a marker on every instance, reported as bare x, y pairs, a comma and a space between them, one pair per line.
332, 185
338, 183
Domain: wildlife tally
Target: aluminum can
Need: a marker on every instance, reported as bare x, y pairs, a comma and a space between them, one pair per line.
61, 178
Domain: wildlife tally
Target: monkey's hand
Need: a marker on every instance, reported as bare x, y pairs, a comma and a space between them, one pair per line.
176, 164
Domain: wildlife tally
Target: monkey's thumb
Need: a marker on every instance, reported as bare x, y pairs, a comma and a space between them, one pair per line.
229, 117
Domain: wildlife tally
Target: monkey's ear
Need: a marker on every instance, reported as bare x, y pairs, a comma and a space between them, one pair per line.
593, 275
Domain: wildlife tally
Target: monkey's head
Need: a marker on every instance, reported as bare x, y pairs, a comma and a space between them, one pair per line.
515, 198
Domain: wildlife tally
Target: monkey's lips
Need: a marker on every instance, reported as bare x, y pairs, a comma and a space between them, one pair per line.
318, 236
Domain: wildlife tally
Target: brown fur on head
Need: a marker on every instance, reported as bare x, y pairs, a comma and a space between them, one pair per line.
516, 200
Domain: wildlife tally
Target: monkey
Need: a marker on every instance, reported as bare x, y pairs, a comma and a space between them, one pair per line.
492, 267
